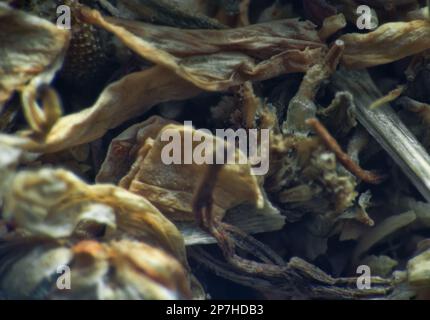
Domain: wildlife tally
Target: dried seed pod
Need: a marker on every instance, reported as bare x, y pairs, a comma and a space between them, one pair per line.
87, 58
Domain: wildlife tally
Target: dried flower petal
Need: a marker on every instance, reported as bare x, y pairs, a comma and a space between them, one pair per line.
216, 60
370, 49
32, 49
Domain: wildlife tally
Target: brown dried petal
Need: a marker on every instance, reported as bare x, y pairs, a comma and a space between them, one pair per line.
216, 60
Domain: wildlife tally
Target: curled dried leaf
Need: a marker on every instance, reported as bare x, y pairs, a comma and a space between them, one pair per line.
115, 105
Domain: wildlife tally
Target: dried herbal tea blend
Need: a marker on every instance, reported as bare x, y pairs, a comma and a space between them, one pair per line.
197, 149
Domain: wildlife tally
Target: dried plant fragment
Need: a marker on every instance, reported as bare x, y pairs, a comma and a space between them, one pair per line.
123, 269
381, 231
56, 203
419, 270
170, 187
306, 178
339, 115
132, 163
284, 277
332, 25
32, 49
172, 13
403, 38
116, 104
343, 158
125, 149
41, 119
216, 60
302, 106
389, 97
386, 127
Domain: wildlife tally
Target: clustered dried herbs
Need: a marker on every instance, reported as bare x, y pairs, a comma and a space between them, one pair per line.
82, 184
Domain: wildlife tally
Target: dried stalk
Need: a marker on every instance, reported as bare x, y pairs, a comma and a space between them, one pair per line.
343, 158
386, 127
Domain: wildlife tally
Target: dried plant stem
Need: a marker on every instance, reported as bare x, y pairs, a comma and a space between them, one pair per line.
250, 104
386, 127
41, 120
343, 158
391, 96
202, 207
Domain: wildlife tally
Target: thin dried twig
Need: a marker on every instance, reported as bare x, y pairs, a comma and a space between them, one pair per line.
343, 158
391, 96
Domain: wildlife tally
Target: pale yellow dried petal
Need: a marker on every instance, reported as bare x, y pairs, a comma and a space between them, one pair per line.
370, 49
